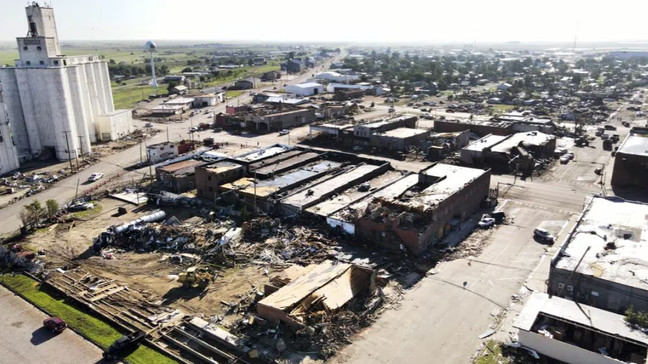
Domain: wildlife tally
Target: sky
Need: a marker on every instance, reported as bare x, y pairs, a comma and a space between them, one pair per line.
347, 21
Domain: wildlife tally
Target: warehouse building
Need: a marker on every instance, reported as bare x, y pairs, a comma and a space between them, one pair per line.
604, 259
479, 127
631, 160
305, 89
178, 177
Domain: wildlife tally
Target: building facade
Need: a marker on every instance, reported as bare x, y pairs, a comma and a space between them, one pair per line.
52, 100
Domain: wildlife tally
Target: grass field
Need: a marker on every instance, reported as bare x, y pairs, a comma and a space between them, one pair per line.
94, 329
234, 93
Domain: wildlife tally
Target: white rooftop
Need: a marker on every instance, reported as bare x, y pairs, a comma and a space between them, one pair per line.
582, 315
485, 142
610, 220
404, 132
635, 144
530, 138
453, 179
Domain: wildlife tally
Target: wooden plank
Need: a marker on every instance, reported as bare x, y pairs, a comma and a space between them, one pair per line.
106, 294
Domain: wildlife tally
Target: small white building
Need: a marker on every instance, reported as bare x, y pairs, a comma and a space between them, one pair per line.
167, 110
305, 89
373, 89
157, 153
208, 99
184, 102
114, 125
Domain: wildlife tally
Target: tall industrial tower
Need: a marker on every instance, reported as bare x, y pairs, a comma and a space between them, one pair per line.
150, 47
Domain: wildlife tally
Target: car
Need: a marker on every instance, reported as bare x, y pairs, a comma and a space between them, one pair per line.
610, 127
598, 170
625, 123
564, 159
543, 235
95, 177
55, 324
358, 148
148, 125
599, 132
486, 222
559, 151
124, 344
284, 132
604, 136
570, 155
80, 206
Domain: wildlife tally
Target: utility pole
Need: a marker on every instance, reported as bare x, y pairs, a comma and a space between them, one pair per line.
140, 152
67, 142
255, 195
76, 193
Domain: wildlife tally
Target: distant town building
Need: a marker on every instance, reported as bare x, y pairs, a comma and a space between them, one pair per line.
305, 89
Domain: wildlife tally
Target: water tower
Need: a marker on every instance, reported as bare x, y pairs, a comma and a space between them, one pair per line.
150, 47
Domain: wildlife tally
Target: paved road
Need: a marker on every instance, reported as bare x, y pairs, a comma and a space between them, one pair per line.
24, 340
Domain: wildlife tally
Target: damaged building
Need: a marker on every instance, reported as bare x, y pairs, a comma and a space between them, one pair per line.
313, 291
417, 210
602, 262
516, 152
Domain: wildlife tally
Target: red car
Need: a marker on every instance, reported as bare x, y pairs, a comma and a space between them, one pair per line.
55, 324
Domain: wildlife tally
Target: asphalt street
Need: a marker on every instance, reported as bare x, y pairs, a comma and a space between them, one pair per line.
23, 339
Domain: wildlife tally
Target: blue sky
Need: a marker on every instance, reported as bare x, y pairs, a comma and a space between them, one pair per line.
340, 20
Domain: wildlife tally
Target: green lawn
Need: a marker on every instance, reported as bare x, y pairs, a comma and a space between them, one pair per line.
502, 108
234, 93
96, 330
87, 214
125, 97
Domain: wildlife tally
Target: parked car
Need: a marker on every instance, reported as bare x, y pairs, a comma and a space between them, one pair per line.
610, 127
148, 125
598, 170
80, 206
543, 235
284, 132
486, 222
604, 136
95, 177
559, 151
570, 155
124, 344
564, 159
625, 123
55, 324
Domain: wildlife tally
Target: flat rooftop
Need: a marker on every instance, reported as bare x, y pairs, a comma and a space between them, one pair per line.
279, 157
528, 139
348, 196
485, 142
286, 164
610, 220
582, 315
264, 153
403, 133
222, 166
451, 179
635, 144
315, 193
389, 192
174, 167
265, 188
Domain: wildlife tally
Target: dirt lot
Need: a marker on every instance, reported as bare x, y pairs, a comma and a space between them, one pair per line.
69, 244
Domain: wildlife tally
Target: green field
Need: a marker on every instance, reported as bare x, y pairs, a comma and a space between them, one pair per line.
94, 329
175, 58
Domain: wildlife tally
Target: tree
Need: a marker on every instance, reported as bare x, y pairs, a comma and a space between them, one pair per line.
32, 214
171, 85
112, 61
187, 69
52, 208
164, 70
